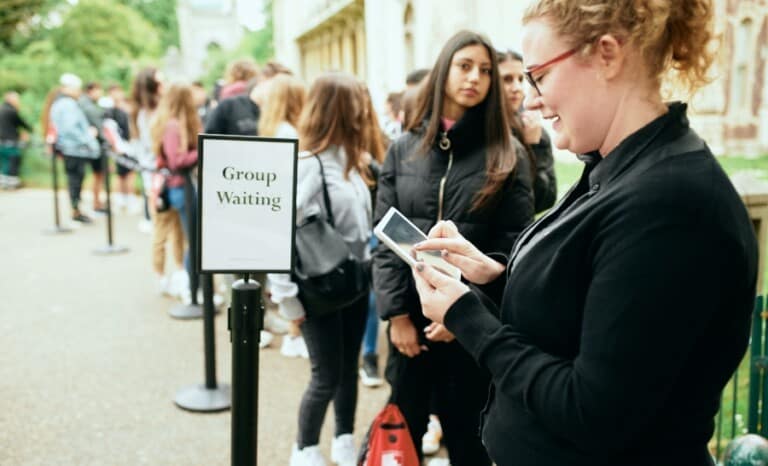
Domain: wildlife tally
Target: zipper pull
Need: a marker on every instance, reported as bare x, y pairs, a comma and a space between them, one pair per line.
444, 143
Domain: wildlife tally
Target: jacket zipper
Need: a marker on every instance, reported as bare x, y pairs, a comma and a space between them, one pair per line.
445, 144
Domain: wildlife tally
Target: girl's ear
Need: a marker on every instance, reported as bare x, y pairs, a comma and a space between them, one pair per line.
610, 56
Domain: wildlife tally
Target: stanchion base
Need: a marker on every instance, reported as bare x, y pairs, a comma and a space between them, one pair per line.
186, 311
56, 230
200, 399
110, 249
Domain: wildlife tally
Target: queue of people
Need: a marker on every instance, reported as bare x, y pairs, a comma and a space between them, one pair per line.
599, 333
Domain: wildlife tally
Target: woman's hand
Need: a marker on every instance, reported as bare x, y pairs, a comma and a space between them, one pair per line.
531, 127
403, 335
437, 291
438, 332
456, 250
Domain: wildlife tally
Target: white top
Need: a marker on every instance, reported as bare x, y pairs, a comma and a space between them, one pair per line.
285, 130
143, 145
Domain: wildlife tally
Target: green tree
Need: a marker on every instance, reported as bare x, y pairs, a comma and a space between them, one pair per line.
98, 30
162, 15
22, 15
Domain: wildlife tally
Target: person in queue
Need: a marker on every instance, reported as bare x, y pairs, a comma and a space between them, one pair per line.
75, 139
283, 104
174, 139
627, 307
329, 127
526, 126
456, 160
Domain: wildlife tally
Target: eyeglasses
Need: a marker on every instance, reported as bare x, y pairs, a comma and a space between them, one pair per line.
530, 70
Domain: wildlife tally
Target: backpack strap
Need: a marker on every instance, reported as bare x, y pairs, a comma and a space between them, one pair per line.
326, 197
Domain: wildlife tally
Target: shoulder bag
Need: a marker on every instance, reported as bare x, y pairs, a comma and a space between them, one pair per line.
328, 275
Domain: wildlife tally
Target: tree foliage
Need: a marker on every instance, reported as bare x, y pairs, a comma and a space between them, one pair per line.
162, 15
100, 30
14, 13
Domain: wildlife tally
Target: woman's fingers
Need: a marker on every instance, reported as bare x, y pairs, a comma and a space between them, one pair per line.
456, 245
443, 229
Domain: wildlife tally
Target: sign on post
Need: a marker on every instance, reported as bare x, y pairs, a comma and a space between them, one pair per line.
247, 191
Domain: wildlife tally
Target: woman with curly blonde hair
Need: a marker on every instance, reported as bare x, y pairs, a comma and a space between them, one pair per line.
627, 307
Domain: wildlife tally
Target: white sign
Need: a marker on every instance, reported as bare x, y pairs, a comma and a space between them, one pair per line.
247, 191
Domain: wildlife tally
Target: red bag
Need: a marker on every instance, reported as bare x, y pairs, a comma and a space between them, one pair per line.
388, 441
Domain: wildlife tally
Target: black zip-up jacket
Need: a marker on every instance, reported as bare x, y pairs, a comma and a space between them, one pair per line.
542, 168
237, 115
626, 310
410, 181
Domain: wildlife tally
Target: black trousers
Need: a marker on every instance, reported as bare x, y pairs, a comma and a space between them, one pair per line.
75, 169
333, 342
445, 378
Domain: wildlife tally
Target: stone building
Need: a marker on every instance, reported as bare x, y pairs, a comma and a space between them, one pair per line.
204, 25
382, 40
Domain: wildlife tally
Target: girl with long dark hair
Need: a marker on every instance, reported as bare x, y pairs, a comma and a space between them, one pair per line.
458, 161
526, 126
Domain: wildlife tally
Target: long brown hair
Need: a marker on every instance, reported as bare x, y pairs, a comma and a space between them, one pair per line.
334, 115
176, 104
145, 94
45, 114
374, 142
284, 101
501, 158
513, 117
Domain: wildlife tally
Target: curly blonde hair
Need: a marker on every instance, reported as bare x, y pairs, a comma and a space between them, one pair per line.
668, 34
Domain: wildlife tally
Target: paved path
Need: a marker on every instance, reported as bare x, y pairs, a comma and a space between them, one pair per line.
90, 360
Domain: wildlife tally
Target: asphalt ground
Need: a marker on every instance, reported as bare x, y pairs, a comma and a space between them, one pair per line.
90, 360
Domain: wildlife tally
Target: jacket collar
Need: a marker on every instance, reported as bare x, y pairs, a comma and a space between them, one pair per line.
467, 134
664, 128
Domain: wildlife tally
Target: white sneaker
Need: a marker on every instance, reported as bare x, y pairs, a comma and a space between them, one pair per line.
275, 324
294, 347
163, 286
145, 226
218, 299
307, 456
118, 200
439, 462
430, 442
179, 284
134, 204
265, 339
343, 450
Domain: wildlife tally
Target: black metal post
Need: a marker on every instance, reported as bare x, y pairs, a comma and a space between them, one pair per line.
246, 319
192, 310
209, 397
57, 228
110, 248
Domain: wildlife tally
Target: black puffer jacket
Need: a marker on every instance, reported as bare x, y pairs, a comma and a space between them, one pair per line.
410, 181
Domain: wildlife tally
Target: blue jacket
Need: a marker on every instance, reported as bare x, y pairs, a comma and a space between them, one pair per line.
72, 135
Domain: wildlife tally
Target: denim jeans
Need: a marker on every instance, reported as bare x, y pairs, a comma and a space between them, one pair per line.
370, 338
333, 342
177, 199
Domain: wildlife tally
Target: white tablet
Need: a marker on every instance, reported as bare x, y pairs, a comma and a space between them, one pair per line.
400, 235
